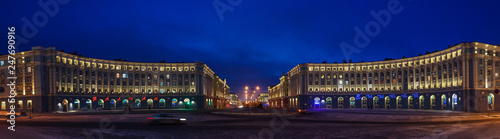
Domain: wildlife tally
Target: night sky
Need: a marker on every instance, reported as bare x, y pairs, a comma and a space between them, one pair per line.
258, 39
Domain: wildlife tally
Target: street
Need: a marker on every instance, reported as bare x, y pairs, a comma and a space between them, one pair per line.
319, 124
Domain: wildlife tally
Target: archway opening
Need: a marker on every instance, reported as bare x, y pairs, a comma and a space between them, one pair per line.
77, 104
113, 103
89, 104
65, 105
137, 103
491, 102
352, 102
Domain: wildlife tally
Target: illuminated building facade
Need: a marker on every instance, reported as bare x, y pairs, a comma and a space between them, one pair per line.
50, 80
464, 77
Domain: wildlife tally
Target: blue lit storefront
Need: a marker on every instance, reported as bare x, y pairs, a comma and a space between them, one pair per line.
435, 101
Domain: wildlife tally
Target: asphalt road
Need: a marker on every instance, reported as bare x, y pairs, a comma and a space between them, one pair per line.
228, 126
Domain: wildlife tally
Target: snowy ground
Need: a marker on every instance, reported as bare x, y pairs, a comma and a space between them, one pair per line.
318, 124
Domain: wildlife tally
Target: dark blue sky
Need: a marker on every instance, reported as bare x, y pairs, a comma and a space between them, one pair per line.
258, 39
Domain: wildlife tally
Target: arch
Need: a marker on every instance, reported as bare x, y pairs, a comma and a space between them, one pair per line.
187, 103
65, 105
100, 103
410, 102
112, 103
433, 101
150, 103
491, 102
77, 104
125, 102
421, 101
455, 99
387, 102
328, 102
316, 102
137, 103
443, 101
341, 102
89, 104
375, 101
162, 102
174, 102
399, 102
364, 102
352, 102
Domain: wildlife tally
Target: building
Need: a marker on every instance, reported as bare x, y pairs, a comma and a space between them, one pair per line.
263, 99
234, 100
50, 80
464, 77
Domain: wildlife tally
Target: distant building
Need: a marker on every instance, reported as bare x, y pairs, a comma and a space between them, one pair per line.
234, 100
263, 98
464, 77
50, 80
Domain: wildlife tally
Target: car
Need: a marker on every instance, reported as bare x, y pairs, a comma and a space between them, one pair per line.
166, 118
302, 111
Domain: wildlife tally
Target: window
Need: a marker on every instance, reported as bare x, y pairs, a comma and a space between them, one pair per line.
3, 105
150, 103
100, 103
433, 100
137, 103
113, 103
328, 101
29, 104
174, 102
162, 102
20, 104
352, 101
341, 101
443, 100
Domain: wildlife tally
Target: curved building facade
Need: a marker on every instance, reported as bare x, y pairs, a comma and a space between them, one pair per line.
464, 77
50, 80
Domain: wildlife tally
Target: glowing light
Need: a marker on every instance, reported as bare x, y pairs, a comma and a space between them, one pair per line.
369, 96
415, 94
392, 96
358, 96
380, 96
94, 98
404, 96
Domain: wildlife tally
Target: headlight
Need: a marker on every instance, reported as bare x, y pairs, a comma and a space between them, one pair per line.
183, 119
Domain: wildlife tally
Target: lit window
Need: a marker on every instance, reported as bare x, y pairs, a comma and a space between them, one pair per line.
20, 104
1, 63
124, 75
3, 105
29, 104
29, 69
